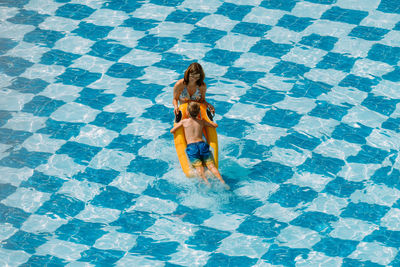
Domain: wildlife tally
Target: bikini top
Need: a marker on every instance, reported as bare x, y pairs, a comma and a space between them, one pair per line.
184, 97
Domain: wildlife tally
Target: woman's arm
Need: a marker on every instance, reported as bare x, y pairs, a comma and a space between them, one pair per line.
177, 92
203, 90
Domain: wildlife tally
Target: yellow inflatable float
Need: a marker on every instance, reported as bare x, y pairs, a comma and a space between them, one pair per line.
180, 141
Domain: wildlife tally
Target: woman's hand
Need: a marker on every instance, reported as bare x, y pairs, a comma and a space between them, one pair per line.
176, 110
211, 108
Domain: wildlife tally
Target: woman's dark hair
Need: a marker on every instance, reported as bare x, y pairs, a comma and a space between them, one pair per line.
194, 109
194, 68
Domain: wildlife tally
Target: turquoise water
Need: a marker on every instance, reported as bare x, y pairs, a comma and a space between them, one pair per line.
307, 101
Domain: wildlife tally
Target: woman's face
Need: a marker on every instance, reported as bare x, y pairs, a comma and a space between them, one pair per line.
194, 76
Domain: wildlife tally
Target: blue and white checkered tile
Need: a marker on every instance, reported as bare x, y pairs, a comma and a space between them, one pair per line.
308, 107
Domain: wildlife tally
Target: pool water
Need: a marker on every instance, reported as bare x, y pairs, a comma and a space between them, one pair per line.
307, 99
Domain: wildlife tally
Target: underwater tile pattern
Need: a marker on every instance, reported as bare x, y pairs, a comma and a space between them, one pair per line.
307, 100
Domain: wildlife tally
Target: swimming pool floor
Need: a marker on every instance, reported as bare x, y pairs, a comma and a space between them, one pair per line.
307, 97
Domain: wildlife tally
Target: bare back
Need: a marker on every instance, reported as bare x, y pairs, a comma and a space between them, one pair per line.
193, 129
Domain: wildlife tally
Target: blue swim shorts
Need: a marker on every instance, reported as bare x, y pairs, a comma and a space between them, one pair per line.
199, 153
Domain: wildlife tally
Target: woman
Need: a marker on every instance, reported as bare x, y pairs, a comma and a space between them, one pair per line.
191, 88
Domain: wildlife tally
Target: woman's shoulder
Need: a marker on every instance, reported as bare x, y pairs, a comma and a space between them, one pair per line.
180, 82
